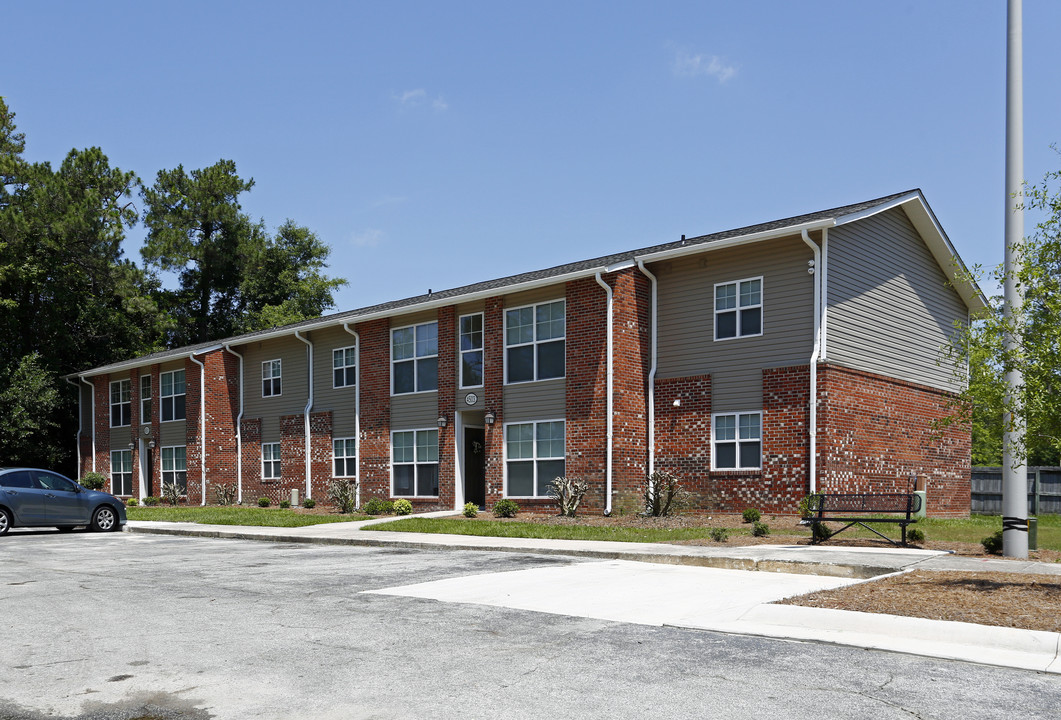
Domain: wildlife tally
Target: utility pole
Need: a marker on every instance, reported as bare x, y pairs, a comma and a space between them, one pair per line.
1014, 473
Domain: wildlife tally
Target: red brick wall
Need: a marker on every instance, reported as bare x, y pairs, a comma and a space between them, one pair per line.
586, 388
633, 358
251, 433
103, 425
683, 435
194, 450
874, 431
320, 447
447, 399
222, 409
374, 376
493, 396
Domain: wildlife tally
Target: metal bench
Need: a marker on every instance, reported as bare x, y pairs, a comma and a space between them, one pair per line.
857, 508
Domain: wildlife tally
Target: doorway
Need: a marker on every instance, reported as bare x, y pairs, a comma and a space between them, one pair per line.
475, 466
147, 466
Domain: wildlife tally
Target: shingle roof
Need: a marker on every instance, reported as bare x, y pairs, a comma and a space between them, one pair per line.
512, 280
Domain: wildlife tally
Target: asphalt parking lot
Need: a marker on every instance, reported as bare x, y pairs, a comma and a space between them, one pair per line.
114, 626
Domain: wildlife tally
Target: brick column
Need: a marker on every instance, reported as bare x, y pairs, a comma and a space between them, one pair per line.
447, 401
493, 396
586, 388
374, 376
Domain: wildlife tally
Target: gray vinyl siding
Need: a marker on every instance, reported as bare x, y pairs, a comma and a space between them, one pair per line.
537, 295
414, 411
294, 381
736, 389
341, 402
686, 288
890, 309
173, 433
541, 400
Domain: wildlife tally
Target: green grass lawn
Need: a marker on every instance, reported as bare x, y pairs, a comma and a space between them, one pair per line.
234, 515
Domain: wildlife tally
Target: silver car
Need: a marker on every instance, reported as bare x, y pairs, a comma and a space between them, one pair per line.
36, 498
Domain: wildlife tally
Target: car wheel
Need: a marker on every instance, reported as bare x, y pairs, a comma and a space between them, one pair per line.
5, 521
66, 528
104, 519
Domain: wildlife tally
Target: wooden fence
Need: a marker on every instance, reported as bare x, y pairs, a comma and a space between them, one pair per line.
1044, 490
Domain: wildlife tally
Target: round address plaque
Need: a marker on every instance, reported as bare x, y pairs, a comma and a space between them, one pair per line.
471, 399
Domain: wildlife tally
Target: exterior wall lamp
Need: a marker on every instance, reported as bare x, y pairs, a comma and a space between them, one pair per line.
442, 421
489, 417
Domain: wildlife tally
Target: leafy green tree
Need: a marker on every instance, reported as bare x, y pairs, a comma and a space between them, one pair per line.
30, 405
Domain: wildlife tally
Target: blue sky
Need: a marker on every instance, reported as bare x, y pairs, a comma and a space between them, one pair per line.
437, 144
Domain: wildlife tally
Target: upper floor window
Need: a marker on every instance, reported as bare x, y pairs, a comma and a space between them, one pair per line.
145, 398
175, 467
121, 472
471, 349
344, 367
415, 462
271, 378
414, 358
534, 457
739, 309
534, 342
171, 395
121, 403
736, 441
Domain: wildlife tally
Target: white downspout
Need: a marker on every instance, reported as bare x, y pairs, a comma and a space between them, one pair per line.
239, 430
824, 280
611, 373
814, 270
91, 387
651, 374
202, 428
80, 424
305, 415
357, 410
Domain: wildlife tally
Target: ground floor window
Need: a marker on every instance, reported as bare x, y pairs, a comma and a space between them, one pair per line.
270, 461
344, 452
121, 472
175, 467
415, 463
534, 457
736, 441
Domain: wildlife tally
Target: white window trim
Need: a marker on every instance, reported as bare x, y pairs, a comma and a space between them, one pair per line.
414, 360
161, 466
279, 376
130, 473
416, 462
736, 441
354, 366
535, 342
113, 404
161, 397
355, 456
481, 349
145, 418
534, 459
738, 308
278, 461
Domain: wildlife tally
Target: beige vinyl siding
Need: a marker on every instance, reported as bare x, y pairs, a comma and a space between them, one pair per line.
686, 288
414, 412
890, 310
342, 402
480, 399
545, 399
294, 379
736, 389
537, 295
416, 318
172, 433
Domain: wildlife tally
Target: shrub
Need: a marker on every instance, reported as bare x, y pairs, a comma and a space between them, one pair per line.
309, 503
285, 504
132, 502
150, 500
760, 529
403, 507
568, 494
820, 532
505, 508
993, 543
225, 493
663, 494
264, 502
751, 515
720, 535
374, 506
172, 493
343, 493
915, 535
471, 510
808, 506
94, 480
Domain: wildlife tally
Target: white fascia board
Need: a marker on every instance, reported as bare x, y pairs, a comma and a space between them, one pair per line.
738, 240
924, 221
139, 362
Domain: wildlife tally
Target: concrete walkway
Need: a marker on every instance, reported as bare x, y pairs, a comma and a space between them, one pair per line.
704, 592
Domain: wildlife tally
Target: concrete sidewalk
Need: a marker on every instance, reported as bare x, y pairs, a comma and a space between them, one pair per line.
721, 600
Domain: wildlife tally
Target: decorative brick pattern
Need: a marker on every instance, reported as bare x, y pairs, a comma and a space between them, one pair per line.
374, 376
447, 400
493, 395
320, 447
586, 387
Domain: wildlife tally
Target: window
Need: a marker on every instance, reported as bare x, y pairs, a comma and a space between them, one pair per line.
739, 309
414, 358
270, 378
344, 367
736, 441
344, 451
171, 395
145, 398
415, 462
471, 348
534, 457
534, 342
121, 403
175, 467
270, 461
121, 472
